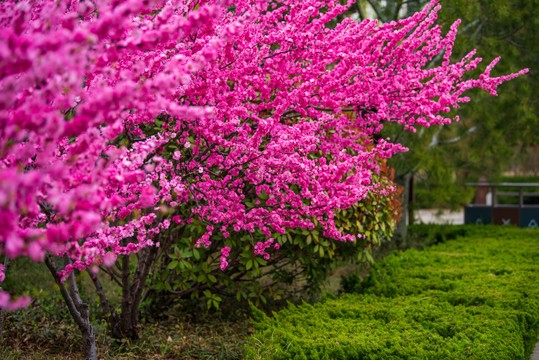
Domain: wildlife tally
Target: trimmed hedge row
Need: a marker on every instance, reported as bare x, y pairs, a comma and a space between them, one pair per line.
475, 297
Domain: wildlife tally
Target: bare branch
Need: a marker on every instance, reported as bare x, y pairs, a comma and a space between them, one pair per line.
65, 293
436, 142
377, 10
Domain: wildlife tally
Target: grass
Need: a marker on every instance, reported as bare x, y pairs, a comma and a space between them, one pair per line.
26, 338
46, 331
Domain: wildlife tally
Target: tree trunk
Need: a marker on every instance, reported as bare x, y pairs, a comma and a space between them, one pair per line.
411, 199
111, 316
132, 295
401, 232
125, 324
77, 308
2, 321
2, 313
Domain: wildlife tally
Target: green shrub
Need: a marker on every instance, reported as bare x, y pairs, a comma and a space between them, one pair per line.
300, 267
421, 236
474, 297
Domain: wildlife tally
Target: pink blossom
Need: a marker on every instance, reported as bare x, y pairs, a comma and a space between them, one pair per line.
252, 101
109, 259
147, 196
36, 252
225, 252
7, 304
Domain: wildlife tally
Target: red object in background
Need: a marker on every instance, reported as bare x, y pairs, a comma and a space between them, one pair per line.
481, 192
506, 216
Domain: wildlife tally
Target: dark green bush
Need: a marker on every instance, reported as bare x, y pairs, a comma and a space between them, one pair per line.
421, 236
474, 297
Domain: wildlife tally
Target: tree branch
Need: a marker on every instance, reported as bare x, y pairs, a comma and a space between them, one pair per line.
64, 292
359, 10
377, 10
436, 142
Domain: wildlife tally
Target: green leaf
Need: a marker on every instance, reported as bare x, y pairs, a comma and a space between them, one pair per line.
186, 253
369, 257
249, 264
187, 264
173, 265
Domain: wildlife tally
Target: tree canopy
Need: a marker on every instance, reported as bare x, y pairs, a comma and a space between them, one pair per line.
121, 120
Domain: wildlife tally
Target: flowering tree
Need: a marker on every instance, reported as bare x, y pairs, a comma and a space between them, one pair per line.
120, 118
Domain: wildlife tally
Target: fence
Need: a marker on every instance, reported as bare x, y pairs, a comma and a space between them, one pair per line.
494, 204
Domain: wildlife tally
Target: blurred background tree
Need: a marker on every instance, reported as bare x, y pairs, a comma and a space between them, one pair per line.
495, 134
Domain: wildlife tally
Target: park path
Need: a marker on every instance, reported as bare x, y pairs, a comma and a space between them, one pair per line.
535, 355
438, 216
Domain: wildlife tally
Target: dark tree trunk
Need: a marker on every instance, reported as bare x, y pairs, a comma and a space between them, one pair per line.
77, 308
411, 199
125, 324
401, 232
2, 313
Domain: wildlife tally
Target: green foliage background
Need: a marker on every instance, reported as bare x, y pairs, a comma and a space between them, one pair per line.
494, 133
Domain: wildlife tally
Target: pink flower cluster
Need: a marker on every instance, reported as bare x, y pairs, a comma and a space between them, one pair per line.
260, 248
225, 252
116, 117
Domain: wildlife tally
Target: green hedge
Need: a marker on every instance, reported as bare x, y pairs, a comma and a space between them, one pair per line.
475, 297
